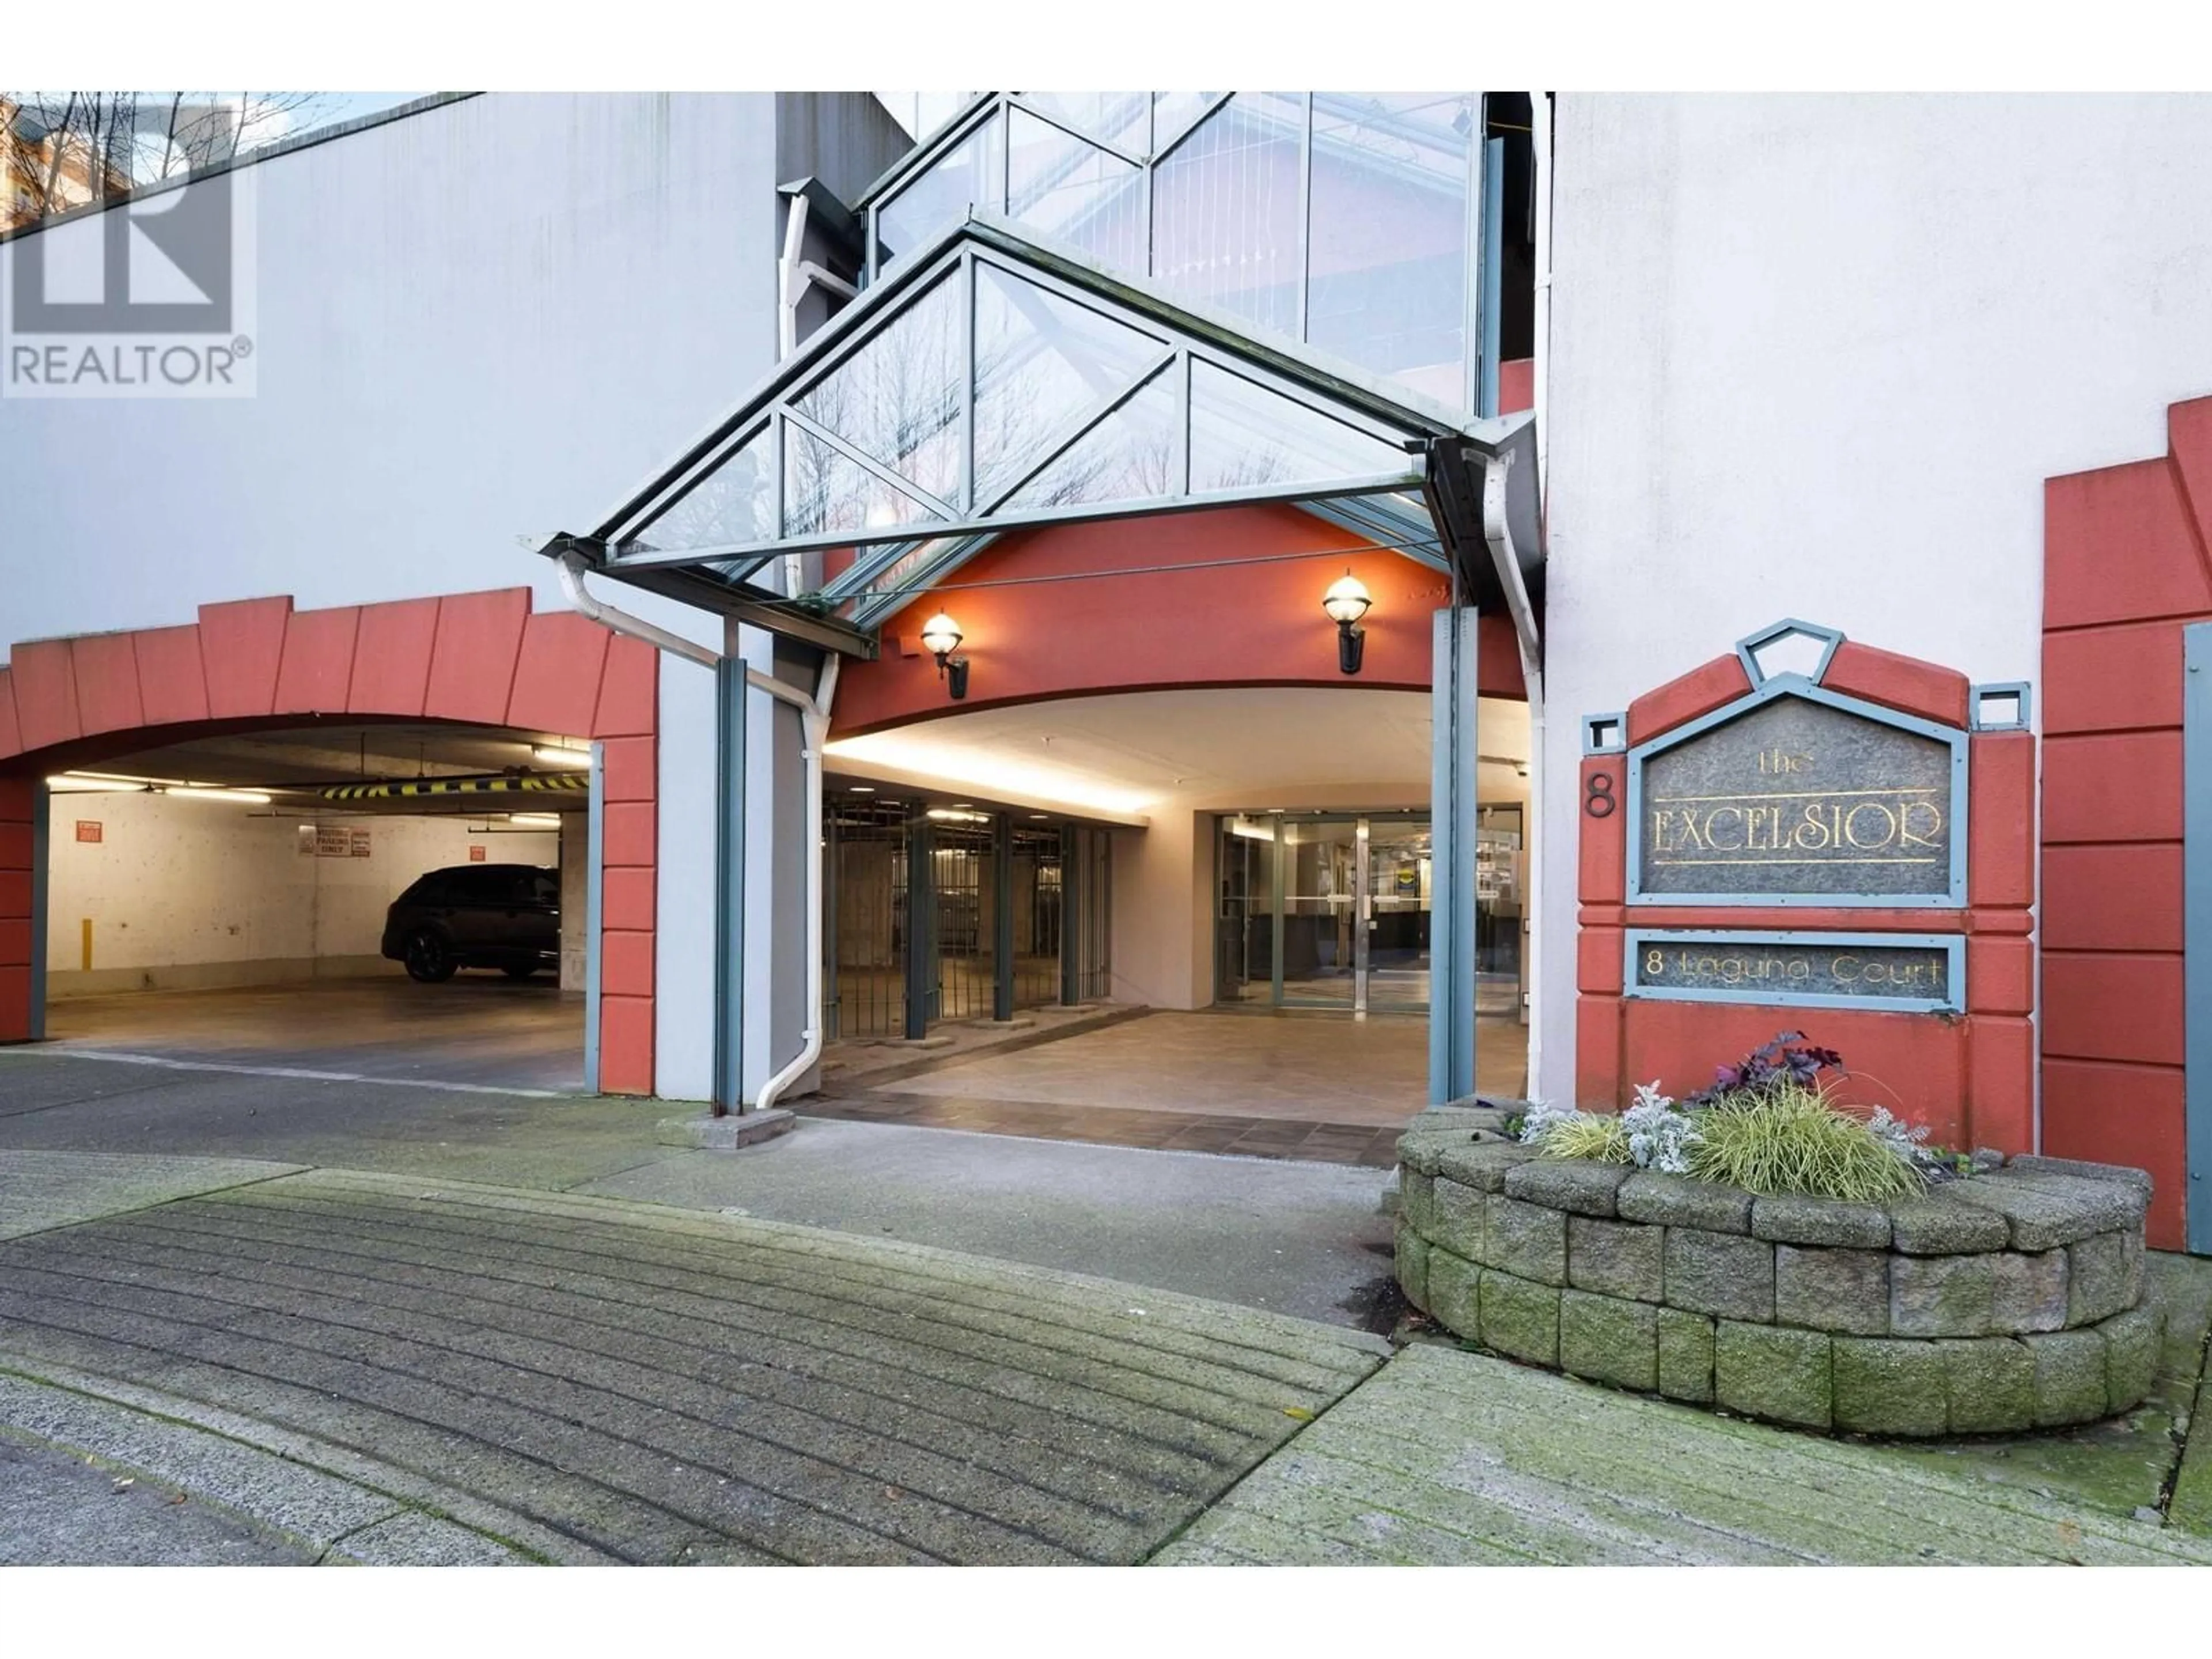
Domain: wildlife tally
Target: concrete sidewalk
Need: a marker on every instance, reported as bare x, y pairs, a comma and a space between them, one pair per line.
1300, 1238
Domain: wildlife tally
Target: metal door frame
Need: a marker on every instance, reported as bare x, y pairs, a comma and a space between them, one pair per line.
1362, 901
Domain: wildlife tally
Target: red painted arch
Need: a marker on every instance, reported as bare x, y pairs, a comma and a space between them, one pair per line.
1229, 597
256, 665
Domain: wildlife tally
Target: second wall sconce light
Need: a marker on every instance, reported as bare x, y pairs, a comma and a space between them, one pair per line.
1346, 602
941, 637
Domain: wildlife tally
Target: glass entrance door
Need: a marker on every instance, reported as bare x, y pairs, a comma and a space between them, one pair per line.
1323, 910
1399, 910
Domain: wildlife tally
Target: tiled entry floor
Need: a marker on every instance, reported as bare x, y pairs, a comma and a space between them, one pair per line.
1323, 1088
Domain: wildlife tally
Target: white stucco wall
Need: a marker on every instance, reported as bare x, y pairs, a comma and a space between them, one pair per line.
182, 894
1816, 357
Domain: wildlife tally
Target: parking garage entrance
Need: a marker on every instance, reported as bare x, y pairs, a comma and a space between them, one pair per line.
398, 901
204, 828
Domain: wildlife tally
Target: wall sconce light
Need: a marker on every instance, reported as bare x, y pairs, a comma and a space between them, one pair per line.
1346, 602
941, 637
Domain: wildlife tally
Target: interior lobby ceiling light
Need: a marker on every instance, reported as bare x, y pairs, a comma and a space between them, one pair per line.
953, 767
551, 754
953, 815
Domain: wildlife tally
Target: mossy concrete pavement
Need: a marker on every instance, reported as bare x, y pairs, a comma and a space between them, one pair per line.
1449, 1456
397, 1367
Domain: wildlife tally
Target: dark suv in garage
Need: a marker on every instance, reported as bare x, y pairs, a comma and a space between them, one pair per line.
506, 916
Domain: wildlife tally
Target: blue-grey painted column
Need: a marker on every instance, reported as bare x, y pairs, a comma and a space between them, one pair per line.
1070, 914
2197, 938
730, 885
42, 817
1002, 917
595, 847
1452, 883
921, 926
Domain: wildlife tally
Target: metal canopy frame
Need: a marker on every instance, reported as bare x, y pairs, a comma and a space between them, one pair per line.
1393, 467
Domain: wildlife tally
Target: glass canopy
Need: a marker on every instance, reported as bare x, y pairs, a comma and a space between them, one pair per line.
1342, 220
994, 381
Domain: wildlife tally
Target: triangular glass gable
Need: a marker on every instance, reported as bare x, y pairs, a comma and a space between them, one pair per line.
1041, 361
1244, 436
897, 398
995, 382
732, 506
825, 489
1128, 456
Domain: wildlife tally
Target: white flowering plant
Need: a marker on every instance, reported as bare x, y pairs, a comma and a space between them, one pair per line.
1659, 1137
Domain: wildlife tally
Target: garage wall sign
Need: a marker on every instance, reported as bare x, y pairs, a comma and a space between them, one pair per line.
476, 855
89, 830
358, 847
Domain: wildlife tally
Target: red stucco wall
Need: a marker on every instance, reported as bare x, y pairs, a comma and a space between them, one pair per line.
483, 659
1179, 618
2125, 567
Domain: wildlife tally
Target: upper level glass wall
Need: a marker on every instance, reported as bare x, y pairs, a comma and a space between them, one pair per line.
1344, 220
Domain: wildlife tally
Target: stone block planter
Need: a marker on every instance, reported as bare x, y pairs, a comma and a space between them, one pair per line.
2013, 1300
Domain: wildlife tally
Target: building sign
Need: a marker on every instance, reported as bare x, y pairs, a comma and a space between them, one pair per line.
89, 830
1901, 972
1800, 799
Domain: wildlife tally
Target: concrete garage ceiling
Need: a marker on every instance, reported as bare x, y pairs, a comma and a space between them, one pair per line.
1120, 755
354, 752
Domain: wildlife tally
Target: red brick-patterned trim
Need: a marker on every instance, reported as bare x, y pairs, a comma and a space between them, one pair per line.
482, 659
2126, 567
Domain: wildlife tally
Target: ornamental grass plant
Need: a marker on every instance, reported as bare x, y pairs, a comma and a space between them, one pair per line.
1767, 1127
1786, 1137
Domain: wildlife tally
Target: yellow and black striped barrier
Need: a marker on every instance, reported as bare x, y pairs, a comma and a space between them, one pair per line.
495, 783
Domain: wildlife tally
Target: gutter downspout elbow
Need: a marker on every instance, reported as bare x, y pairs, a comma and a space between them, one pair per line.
572, 567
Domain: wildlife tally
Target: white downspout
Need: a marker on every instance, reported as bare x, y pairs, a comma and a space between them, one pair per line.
815, 712
572, 567
1540, 126
1540, 130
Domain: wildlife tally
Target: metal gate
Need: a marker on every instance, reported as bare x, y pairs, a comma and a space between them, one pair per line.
1035, 897
1087, 908
864, 929
990, 938
960, 864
